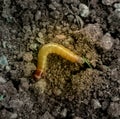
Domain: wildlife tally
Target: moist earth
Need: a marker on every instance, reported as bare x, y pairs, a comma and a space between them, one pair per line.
89, 28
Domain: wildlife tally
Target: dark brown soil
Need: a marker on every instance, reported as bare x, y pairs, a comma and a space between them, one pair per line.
66, 90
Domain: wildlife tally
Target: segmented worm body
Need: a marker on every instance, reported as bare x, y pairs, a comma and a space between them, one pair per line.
56, 49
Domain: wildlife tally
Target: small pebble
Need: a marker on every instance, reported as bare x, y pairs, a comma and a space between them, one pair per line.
108, 2
114, 109
3, 61
60, 36
84, 10
96, 104
38, 15
7, 68
117, 5
2, 80
14, 116
33, 46
40, 38
64, 113
41, 41
27, 57
114, 99
107, 41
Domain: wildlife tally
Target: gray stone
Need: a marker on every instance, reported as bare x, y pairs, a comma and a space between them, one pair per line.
7, 68
107, 41
116, 98
3, 61
114, 109
14, 116
2, 80
96, 104
108, 2
117, 5
84, 10
64, 113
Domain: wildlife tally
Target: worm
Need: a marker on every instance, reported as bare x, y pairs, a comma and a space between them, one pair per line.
56, 49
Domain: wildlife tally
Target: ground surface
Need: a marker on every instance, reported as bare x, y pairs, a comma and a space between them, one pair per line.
67, 90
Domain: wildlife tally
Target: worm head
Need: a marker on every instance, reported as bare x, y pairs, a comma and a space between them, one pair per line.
37, 75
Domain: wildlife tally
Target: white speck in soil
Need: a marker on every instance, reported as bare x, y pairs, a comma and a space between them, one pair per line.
84, 10
96, 104
107, 41
2, 80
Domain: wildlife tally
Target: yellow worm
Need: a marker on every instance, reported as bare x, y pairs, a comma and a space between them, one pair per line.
56, 49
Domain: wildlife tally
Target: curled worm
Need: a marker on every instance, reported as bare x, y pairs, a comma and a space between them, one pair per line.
56, 49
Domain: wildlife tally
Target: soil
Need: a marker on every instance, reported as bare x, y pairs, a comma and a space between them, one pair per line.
66, 90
